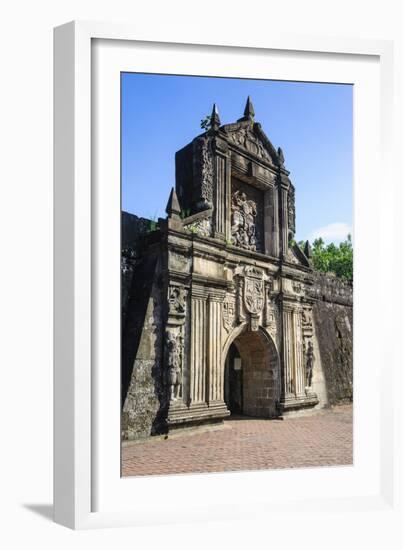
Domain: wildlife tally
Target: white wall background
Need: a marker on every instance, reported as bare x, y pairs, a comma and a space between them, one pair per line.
26, 268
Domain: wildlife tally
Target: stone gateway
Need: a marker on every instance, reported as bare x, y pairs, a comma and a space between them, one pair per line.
220, 308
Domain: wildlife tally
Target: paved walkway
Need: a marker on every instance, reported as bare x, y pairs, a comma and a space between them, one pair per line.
322, 438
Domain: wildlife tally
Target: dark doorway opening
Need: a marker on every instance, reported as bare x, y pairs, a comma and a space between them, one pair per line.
233, 387
251, 376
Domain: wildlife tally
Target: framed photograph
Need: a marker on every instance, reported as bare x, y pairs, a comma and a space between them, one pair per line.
217, 276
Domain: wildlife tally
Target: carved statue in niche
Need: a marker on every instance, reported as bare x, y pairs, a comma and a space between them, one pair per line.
177, 300
309, 364
174, 346
243, 221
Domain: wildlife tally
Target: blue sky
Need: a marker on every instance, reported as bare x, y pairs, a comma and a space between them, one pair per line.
311, 122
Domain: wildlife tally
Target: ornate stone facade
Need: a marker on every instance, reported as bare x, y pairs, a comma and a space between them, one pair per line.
237, 317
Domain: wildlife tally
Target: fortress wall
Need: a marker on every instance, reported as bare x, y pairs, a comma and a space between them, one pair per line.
333, 320
142, 354
142, 331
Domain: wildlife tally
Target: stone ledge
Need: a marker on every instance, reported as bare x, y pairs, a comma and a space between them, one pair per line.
198, 413
297, 403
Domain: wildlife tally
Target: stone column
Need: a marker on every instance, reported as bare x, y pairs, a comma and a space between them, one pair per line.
299, 373
284, 219
271, 223
276, 225
288, 352
198, 348
228, 198
215, 376
220, 210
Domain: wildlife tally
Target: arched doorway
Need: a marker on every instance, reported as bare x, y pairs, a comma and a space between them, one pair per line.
252, 379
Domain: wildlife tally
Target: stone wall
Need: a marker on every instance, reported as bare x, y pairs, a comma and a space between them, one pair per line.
133, 229
333, 318
142, 295
144, 402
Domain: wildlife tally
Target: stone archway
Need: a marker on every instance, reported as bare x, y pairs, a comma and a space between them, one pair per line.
252, 375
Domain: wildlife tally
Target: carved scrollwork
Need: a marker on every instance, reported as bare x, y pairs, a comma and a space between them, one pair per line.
245, 138
204, 169
291, 209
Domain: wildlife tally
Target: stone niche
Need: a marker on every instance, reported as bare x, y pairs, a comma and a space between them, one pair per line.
246, 216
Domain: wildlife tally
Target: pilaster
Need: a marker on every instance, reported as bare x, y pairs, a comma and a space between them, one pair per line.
284, 217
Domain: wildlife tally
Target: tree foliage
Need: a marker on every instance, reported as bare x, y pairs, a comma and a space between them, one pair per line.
205, 123
334, 259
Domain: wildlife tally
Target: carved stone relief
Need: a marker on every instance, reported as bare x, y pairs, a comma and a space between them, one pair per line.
239, 300
306, 315
204, 170
200, 227
177, 300
309, 360
297, 287
228, 313
254, 322
291, 209
271, 317
253, 292
174, 347
243, 221
245, 138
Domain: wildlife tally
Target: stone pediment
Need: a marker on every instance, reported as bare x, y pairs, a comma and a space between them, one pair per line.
250, 137
296, 256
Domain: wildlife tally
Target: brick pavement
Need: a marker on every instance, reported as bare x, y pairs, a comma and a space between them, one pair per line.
322, 438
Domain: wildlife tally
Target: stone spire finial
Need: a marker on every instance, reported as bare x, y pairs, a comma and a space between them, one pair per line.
173, 209
249, 111
308, 250
280, 156
215, 121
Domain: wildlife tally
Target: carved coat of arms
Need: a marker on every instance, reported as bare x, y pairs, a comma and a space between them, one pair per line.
254, 295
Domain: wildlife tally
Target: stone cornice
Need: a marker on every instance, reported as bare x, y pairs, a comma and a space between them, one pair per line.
198, 216
209, 281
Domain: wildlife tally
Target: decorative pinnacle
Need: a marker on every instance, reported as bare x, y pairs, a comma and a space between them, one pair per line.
173, 209
215, 121
308, 250
280, 155
249, 111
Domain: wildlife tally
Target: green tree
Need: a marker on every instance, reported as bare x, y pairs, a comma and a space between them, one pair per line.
334, 259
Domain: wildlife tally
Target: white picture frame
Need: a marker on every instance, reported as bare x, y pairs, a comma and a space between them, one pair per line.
88, 490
